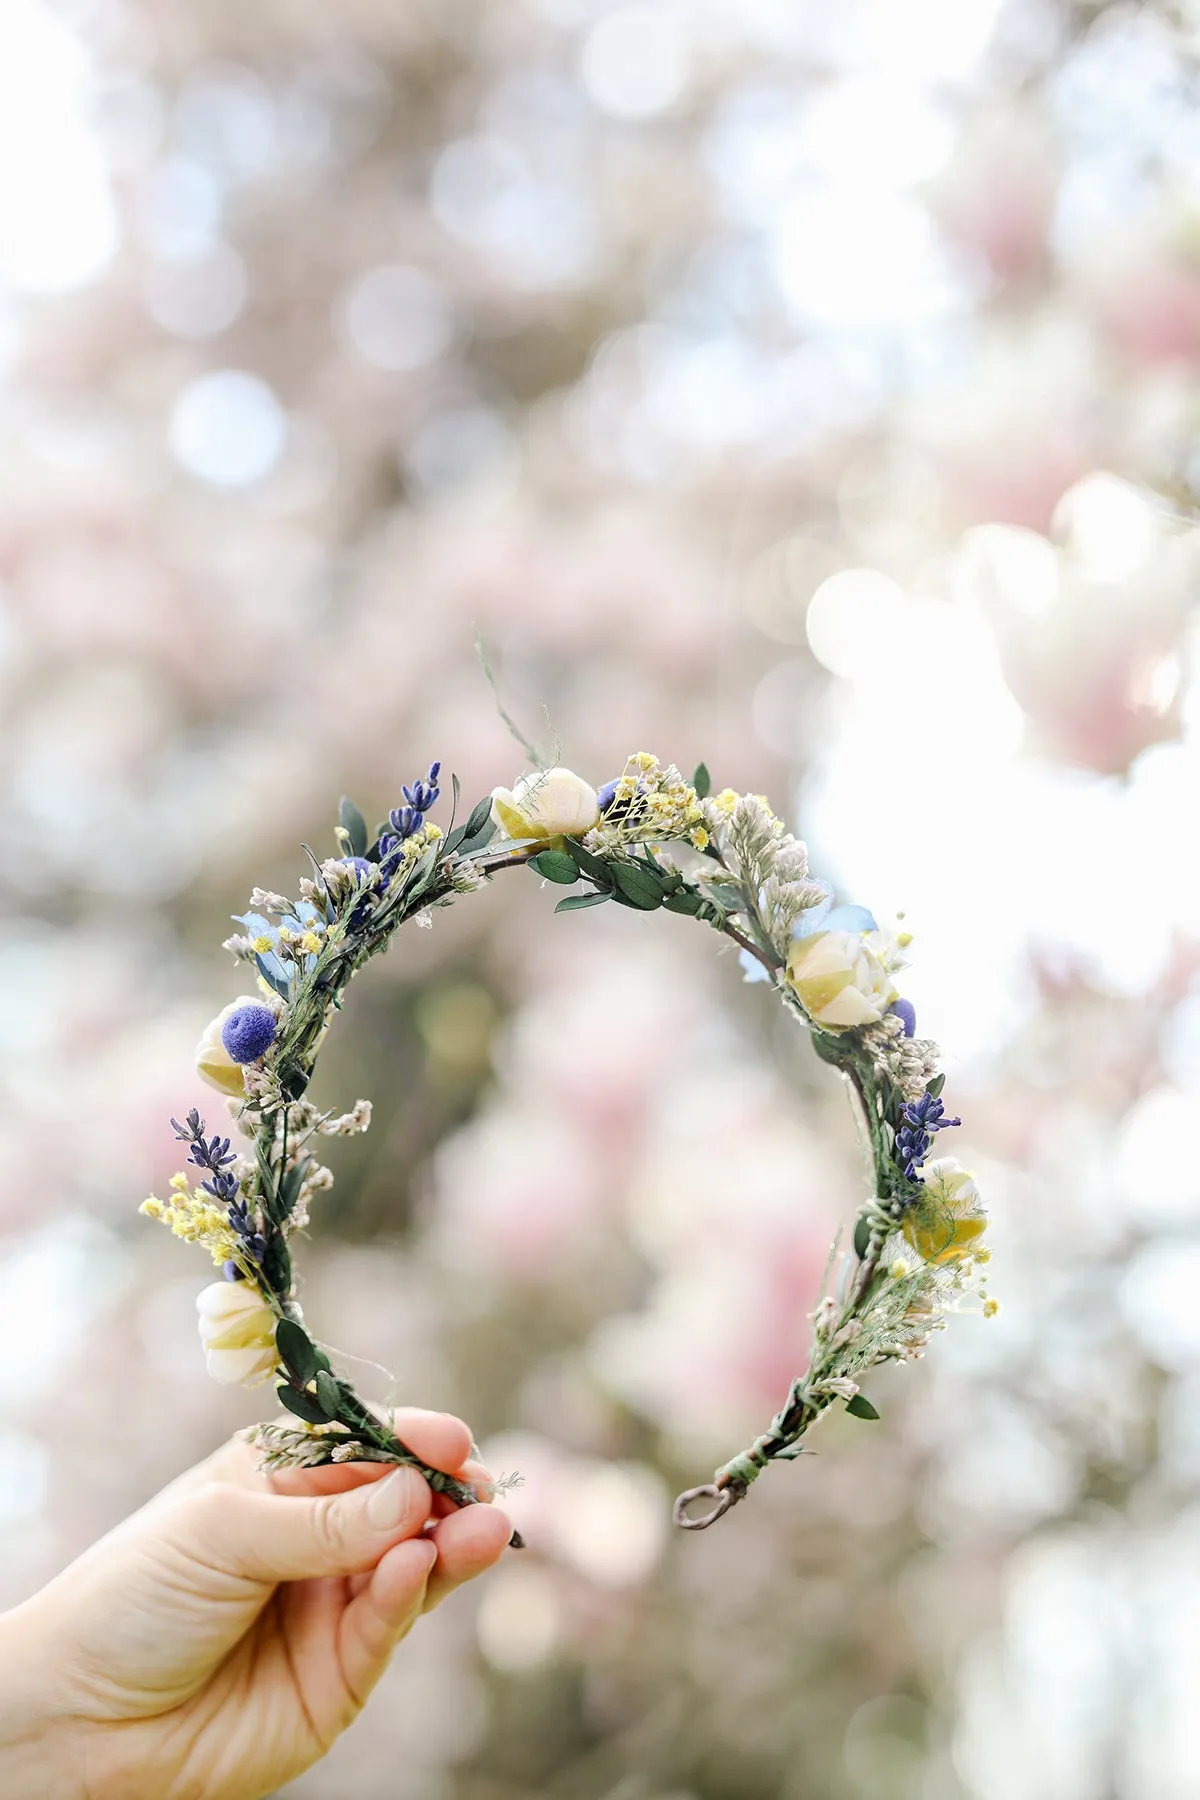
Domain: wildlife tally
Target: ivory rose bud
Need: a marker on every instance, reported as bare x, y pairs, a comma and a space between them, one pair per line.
839, 980
546, 803
237, 1328
947, 1221
213, 1061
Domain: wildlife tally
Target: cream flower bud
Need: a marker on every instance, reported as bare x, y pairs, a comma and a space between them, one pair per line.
237, 1329
213, 1061
945, 1223
546, 803
839, 980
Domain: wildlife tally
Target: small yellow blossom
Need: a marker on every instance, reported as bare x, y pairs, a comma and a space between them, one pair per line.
898, 1270
990, 1308
726, 801
699, 838
262, 943
311, 943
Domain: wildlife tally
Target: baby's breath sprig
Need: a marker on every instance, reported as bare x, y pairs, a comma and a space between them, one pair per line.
649, 840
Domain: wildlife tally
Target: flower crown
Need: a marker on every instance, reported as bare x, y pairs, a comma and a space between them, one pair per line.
648, 840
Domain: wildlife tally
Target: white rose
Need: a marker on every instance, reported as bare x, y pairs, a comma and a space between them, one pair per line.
213, 1061
839, 980
948, 1219
547, 803
237, 1329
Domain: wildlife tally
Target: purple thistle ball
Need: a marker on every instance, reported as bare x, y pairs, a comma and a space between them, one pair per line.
231, 1272
360, 865
248, 1032
607, 795
907, 1013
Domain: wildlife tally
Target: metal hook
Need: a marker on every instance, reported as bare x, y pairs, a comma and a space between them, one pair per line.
725, 1497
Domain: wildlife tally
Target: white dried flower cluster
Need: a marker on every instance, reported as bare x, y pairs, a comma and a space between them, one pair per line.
908, 1062
766, 859
266, 900
348, 1124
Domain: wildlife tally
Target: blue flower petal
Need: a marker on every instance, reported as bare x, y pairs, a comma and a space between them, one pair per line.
812, 919
752, 968
850, 918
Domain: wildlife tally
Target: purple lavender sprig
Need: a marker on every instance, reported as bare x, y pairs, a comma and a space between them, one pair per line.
921, 1120
214, 1155
407, 820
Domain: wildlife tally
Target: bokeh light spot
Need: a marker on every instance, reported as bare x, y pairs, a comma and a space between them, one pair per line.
228, 428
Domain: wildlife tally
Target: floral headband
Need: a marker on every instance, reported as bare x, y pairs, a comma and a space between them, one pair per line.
648, 840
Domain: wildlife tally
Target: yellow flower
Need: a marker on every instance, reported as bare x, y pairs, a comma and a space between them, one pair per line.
237, 1329
839, 980
949, 1217
213, 1061
546, 804
990, 1308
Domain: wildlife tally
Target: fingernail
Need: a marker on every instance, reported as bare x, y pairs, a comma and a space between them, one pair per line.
391, 1501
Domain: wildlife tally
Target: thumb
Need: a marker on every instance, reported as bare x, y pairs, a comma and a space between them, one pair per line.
270, 1537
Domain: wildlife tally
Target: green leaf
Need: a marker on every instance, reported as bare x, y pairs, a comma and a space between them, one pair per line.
328, 1393
277, 1264
556, 865
638, 886
576, 902
478, 830
296, 1349
480, 839
687, 902
306, 1406
289, 1187
935, 1086
862, 1236
354, 825
595, 866
456, 791
702, 780
860, 1407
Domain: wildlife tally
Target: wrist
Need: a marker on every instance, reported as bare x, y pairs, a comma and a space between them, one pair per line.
35, 1737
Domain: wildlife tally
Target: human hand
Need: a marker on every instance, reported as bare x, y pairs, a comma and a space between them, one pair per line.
218, 1641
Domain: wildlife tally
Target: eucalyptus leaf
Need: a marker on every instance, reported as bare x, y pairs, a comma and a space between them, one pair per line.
576, 902
702, 780
354, 825
595, 866
860, 1407
687, 902
935, 1086
862, 1236
289, 1187
477, 831
639, 887
328, 1393
556, 865
478, 840
277, 1264
296, 1349
306, 1406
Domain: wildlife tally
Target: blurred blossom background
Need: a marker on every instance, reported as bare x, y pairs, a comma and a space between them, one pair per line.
809, 388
